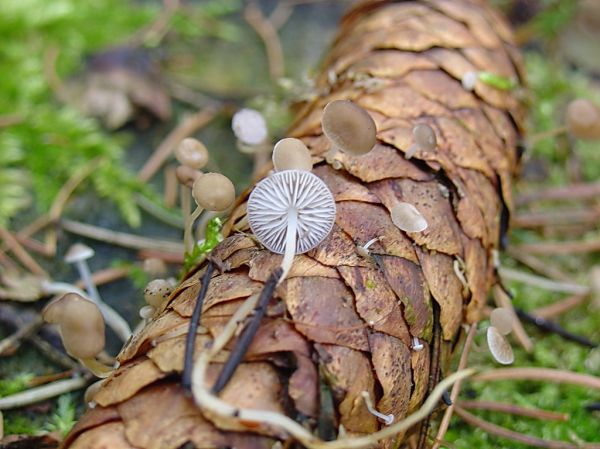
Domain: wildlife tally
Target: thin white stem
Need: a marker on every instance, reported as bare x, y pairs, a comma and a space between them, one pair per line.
186, 206
42, 393
290, 243
188, 233
541, 282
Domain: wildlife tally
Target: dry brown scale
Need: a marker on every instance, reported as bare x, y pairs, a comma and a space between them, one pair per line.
341, 323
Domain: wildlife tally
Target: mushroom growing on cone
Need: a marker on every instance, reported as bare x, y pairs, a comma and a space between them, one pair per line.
341, 327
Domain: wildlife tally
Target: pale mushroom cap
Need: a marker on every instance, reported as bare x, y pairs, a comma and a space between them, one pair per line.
213, 191
249, 126
291, 154
583, 119
157, 291
469, 80
154, 266
78, 252
424, 137
273, 197
192, 153
499, 346
349, 127
81, 324
187, 175
407, 218
502, 319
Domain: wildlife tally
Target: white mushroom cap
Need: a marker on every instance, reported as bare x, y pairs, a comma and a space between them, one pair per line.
407, 218
291, 154
499, 346
273, 198
249, 126
349, 127
502, 319
78, 252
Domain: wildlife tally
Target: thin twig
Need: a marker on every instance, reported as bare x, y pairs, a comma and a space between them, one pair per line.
185, 129
171, 185
555, 328
540, 282
53, 354
570, 192
514, 410
538, 265
567, 247
13, 341
120, 238
21, 254
42, 393
106, 276
245, 338
190, 340
503, 300
555, 217
158, 212
516, 436
268, 33
541, 374
462, 364
560, 307
10, 120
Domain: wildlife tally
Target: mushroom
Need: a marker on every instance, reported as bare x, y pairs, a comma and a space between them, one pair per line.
153, 266
425, 140
78, 254
250, 128
349, 128
499, 346
583, 119
407, 218
81, 328
157, 291
291, 212
213, 192
291, 153
502, 319
469, 80
192, 153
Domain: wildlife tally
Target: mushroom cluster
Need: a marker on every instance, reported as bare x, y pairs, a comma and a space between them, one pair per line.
211, 191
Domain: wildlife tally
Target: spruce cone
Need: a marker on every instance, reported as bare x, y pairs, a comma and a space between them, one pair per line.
343, 323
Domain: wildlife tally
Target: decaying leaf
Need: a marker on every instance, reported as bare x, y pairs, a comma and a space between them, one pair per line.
344, 319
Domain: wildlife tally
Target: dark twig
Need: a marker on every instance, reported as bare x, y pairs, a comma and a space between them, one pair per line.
555, 328
245, 338
190, 340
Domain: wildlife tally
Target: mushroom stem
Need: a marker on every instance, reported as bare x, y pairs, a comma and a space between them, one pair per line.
186, 206
97, 368
290, 243
86, 277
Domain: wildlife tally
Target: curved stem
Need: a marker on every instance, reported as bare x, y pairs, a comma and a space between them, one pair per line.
97, 368
189, 224
290, 243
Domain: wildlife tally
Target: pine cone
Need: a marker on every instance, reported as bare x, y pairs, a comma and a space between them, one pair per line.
342, 323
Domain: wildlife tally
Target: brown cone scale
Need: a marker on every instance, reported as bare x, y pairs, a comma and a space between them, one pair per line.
342, 324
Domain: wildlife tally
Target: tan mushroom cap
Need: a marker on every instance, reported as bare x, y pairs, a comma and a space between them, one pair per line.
157, 291
499, 346
187, 175
349, 127
407, 218
81, 324
214, 192
192, 153
583, 119
291, 154
502, 319
424, 137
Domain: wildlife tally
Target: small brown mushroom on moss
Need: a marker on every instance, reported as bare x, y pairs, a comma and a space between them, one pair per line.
81, 328
192, 153
349, 128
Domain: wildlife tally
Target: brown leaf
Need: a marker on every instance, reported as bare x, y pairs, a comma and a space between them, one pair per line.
108, 436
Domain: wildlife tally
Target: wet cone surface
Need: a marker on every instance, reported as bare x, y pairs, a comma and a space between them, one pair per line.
341, 323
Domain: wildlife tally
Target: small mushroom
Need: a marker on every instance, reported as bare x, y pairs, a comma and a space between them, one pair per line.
192, 153
583, 119
290, 154
499, 346
153, 266
349, 128
250, 128
425, 140
187, 176
291, 212
407, 218
157, 291
213, 192
81, 328
502, 319
469, 80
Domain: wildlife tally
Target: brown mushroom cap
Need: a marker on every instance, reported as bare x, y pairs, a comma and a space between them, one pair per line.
502, 319
424, 137
81, 324
291, 154
187, 175
214, 192
157, 291
349, 127
583, 119
192, 153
